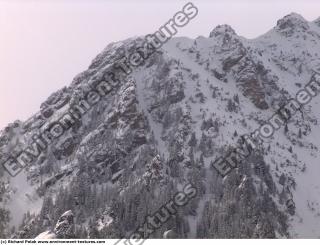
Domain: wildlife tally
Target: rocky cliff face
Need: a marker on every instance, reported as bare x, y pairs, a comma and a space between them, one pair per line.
161, 127
64, 228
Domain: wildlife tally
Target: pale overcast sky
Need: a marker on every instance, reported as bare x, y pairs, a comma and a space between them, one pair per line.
45, 43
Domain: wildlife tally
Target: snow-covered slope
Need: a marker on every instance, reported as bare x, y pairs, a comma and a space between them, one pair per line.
164, 125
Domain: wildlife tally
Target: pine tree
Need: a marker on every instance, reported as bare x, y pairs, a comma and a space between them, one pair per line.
4, 220
193, 140
235, 134
46, 213
300, 133
231, 106
236, 98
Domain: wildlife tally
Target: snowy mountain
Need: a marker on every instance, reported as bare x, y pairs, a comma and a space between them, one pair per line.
160, 128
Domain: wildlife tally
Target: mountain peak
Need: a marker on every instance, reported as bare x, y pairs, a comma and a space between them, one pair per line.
222, 30
294, 15
289, 23
317, 22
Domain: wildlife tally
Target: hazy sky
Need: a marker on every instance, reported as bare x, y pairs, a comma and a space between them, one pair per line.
44, 44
